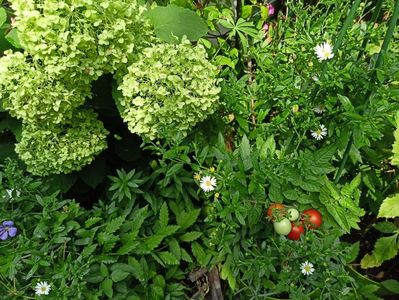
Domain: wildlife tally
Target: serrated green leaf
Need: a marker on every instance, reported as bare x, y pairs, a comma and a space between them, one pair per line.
290, 194
389, 207
185, 256
352, 252
385, 249
168, 258
226, 273
199, 254
172, 22
174, 248
186, 219
167, 230
118, 275
87, 251
386, 227
349, 189
309, 185
149, 244
164, 215
137, 270
91, 221
114, 224
245, 153
190, 236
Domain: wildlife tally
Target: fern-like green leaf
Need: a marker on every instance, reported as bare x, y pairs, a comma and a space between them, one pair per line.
164, 215
186, 219
114, 224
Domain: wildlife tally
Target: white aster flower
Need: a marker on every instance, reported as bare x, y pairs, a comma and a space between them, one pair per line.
319, 109
307, 268
208, 183
320, 133
42, 288
324, 51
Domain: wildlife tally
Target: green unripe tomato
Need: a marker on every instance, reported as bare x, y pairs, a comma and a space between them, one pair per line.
282, 227
293, 214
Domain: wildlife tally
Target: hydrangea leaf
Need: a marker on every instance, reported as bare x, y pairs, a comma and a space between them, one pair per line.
173, 21
13, 38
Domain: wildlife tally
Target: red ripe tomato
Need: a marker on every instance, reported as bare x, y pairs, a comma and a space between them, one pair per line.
296, 232
274, 210
312, 218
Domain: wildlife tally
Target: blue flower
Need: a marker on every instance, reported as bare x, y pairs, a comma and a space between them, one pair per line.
7, 230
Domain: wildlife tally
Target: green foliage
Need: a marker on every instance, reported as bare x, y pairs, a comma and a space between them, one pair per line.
386, 247
93, 39
151, 105
3, 16
389, 207
172, 23
286, 127
30, 93
343, 204
54, 149
395, 146
115, 250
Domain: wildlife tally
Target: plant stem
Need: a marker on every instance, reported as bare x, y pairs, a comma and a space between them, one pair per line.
390, 184
374, 17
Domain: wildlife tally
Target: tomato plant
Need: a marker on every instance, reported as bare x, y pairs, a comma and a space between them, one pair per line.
282, 227
296, 231
312, 218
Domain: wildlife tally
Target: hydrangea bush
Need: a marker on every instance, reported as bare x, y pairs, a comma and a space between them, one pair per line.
82, 38
62, 148
33, 94
168, 90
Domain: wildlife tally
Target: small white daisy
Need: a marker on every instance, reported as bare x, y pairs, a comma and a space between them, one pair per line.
324, 51
307, 268
42, 288
319, 109
208, 183
320, 133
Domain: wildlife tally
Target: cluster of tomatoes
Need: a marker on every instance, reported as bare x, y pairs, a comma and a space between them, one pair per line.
289, 222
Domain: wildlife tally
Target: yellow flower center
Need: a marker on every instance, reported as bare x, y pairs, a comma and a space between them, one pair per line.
208, 183
43, 289
307, 268
326, 53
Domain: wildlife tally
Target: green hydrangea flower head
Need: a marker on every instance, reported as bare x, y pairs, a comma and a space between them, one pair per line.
85, 37
62, 148
168, 90
30, 93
